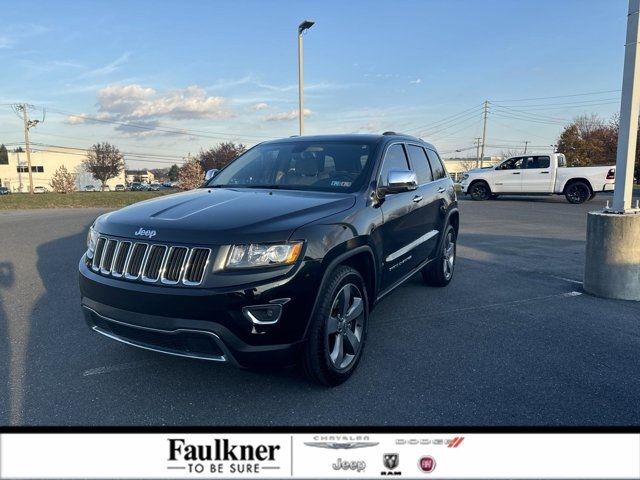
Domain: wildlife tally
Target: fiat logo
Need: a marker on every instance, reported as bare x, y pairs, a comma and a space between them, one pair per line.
427, 464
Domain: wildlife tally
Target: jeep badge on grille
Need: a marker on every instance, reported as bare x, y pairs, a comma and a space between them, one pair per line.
145, 233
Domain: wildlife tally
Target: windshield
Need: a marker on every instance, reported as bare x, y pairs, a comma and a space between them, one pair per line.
333, 166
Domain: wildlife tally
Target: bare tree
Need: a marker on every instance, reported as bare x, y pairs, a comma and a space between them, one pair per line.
218, 157
190, 174
104, 161
63, 181
511, 152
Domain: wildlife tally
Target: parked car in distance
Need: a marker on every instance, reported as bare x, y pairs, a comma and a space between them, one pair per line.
280, 257
154, 187
120, 188
40, 189
137, 187
538, 174
89, 188
4, 191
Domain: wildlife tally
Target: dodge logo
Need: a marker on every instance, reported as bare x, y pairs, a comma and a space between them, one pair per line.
145, 233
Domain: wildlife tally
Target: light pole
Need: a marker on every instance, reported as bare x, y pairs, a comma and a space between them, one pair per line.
307, 24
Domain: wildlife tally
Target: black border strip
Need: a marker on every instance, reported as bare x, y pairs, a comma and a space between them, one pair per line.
320, 429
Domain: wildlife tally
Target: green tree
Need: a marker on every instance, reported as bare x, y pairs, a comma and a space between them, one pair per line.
4, 156
173, 173
104, 161
218, 157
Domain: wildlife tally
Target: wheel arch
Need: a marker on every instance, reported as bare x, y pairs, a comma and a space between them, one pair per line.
360, 258
574, 180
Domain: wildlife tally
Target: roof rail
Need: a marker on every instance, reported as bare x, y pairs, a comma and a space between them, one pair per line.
389, 133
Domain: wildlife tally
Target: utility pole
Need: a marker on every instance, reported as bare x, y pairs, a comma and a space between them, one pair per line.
526, 142
484, 131
612, 260
25, 117
477, 142
307, 24
629, 110
19, 171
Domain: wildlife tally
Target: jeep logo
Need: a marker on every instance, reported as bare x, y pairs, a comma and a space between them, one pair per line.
145, 233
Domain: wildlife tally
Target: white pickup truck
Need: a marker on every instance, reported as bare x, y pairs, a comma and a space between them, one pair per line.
538, 174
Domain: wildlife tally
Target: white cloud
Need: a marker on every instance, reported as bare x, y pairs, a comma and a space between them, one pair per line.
416, 81
260, 106
145, 106
290, 115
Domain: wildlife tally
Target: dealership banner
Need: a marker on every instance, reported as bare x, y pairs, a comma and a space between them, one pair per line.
318, 456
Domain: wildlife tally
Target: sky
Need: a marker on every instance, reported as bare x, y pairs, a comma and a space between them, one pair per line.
164, 79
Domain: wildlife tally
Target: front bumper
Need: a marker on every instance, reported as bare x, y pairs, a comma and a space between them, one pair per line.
202, 323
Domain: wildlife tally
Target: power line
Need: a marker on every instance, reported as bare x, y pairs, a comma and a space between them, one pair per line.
443, 120
558, 96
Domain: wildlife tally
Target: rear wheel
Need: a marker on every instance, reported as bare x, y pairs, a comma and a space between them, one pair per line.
440, 271
338, 329
480, 191
577, 192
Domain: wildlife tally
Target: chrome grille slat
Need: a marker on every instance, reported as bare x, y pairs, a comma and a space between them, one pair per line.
151, 263
120, 259
97, 255
135, 261
173, 265
108, 255
152, 268
196, 266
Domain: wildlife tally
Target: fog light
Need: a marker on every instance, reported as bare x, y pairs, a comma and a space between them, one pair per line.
263, 314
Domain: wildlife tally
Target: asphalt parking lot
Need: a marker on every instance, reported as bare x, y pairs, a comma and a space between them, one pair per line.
512, 341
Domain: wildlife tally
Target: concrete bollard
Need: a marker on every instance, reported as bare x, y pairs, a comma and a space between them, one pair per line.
612, 264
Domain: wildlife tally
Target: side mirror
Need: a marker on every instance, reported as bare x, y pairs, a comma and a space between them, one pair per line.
210, 174
400, 181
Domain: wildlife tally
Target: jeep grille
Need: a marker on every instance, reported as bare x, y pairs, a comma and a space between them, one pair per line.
151, 263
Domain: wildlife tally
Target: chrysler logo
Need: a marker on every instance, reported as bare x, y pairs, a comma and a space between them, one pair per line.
145, 233
341, 445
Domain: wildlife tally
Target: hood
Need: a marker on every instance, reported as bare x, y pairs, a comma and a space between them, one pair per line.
223, 215
478, 170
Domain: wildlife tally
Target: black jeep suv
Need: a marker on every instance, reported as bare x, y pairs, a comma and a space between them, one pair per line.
277, 259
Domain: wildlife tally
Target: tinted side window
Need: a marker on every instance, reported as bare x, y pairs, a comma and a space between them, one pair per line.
420, 163
436, 165
538, 162
395, 159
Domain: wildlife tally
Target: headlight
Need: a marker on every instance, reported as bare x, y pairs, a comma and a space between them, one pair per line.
92, 239
465, 176
262, 255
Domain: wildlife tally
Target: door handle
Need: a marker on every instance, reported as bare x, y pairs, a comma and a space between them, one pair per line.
516, 173
543, 172
417, 198
441, 190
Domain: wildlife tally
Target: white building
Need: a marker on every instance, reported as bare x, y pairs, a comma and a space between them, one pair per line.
15, 175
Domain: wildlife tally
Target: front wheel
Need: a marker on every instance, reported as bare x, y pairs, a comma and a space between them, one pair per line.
440, 271
338, 329
577, 192
479, 191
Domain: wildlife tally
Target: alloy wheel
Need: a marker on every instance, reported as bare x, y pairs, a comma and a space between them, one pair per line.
345, 326
449, 255
578, 193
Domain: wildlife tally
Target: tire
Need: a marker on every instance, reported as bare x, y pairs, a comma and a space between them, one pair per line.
440, 271
577, 192
493, 196
593, 195
479, 191
336, 323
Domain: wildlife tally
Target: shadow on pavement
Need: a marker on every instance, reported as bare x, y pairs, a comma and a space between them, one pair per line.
6, 281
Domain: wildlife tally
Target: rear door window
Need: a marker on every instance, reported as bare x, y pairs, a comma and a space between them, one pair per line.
436, 165
541, 161
420, 164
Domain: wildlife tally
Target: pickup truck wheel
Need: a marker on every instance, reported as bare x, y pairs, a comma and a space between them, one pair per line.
577, 192
592, 196
440, 271
338, 329
479, 191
